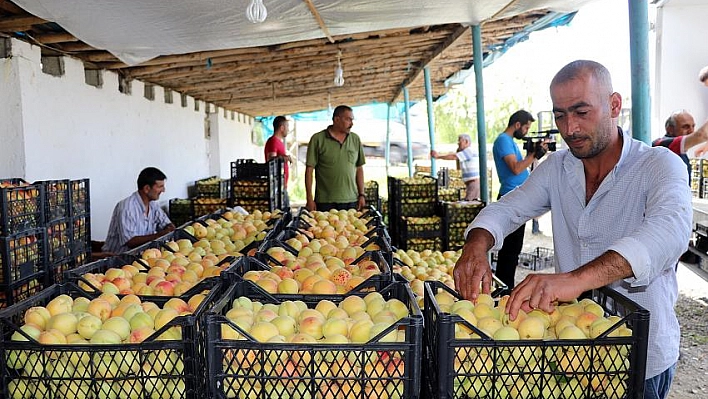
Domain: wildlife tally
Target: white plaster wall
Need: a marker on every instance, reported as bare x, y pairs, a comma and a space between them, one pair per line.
12, 161
74, 130
681, 52
234, 141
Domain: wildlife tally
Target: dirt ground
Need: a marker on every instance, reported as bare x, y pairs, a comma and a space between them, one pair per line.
691, 380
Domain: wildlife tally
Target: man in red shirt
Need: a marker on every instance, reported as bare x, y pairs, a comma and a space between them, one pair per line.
275, 147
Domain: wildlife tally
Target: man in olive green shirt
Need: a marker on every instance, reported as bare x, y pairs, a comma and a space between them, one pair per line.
337, 158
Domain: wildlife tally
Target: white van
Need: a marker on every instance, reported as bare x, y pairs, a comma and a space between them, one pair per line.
373, 137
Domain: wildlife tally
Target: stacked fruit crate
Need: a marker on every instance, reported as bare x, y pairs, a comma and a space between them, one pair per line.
23, 240
696, 177
212, 195
412, 215
258, 186
57, 203
80, 216
371, 192
456, 216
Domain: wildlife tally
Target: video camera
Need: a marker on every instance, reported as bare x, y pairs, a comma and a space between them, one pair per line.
533, 143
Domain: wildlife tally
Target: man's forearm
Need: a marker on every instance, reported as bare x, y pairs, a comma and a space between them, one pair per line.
308, 184
140, 240
603, 270
360, 180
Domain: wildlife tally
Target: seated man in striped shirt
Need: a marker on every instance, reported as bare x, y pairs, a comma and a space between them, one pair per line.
138, 218
469, 164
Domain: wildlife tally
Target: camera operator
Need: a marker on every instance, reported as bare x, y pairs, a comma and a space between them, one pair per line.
512, 170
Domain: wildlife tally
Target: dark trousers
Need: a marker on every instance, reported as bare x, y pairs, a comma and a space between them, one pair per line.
326, 206
508, 256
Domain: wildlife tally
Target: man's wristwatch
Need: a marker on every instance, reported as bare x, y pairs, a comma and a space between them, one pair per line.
362, 195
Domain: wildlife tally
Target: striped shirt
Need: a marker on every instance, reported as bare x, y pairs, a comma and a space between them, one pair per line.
129, 220
642, 210
469, 164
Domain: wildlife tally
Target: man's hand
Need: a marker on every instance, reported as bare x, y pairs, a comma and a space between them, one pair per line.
433, 154
310, 205
361, 203
168, 229
472, 269
541, 291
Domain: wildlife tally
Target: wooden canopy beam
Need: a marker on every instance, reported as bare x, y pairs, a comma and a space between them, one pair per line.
319, 20
436, 52
20, 23
53, 38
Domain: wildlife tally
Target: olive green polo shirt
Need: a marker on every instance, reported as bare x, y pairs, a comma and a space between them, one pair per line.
335, 166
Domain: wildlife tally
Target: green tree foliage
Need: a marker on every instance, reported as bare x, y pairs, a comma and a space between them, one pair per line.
457, 114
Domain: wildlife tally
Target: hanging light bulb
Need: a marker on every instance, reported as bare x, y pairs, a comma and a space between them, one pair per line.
256, 11
338, 71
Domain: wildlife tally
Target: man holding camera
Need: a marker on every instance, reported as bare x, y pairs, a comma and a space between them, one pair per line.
512, 170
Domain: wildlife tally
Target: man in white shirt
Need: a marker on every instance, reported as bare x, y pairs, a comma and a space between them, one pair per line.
138, 218
621, 214
469, 165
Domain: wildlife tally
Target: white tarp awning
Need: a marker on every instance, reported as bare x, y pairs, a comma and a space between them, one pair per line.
138, 30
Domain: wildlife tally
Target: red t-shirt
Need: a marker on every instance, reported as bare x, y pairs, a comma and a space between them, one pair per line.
275, 145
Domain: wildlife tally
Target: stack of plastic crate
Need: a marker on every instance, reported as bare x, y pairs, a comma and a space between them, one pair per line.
59, 226
258, 186
23, 241
456, 216
412, 213
80, 214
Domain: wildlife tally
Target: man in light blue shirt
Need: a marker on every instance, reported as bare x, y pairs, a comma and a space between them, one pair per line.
138, 218
621, 214
469, 165
512, 170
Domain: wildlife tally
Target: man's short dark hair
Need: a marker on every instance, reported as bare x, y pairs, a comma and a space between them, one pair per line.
521, 116
149, 176
278, 122
341, 109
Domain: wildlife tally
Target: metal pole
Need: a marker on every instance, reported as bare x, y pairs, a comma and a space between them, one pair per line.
408, 132
387, 149
477, 56
431, 118
639, 58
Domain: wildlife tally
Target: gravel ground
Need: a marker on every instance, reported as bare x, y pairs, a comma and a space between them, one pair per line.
691, 380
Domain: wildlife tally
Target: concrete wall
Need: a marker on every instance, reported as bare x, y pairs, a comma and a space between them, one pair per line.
12, 155
681, 52
74, 130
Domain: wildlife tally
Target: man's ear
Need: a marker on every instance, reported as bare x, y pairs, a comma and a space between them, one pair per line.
615, 104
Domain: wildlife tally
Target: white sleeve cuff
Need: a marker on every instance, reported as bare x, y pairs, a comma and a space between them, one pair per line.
637, 255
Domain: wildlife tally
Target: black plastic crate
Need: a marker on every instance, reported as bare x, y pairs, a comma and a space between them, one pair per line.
22, 255
151, 368
181, 210
82, 257
56, 198
456, 217
212, 187
59, 240
252, 181
58, 269
77, 274
13, 293
416, 232
81, 233
79, 194
418, 188
248, 368
206, 206
21, 206
608, 366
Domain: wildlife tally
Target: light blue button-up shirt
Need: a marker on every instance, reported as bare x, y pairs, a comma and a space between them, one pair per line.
129, 220
642, 210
